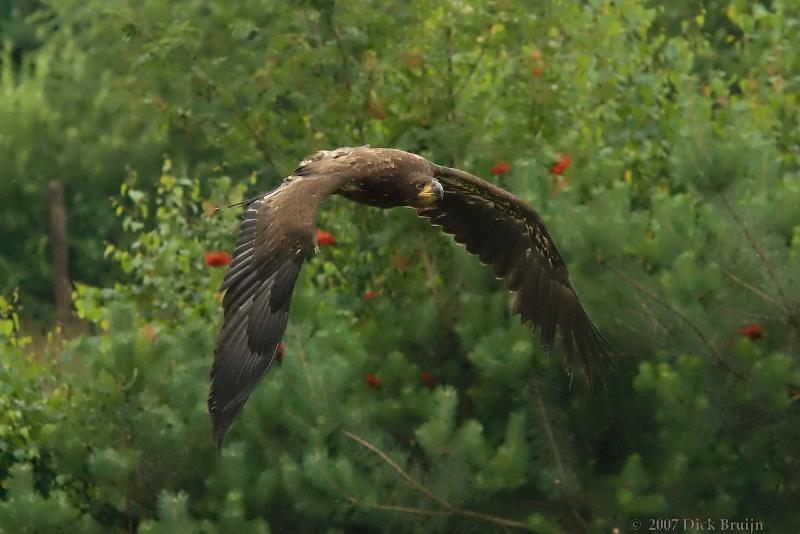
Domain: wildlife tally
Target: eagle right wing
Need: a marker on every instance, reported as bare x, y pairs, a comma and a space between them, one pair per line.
274, 238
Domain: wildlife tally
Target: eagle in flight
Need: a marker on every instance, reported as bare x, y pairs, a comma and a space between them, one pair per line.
278, 227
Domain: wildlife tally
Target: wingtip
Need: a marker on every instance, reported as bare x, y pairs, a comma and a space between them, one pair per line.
222, 416
583, 342
595, 353
218, 436
220, 423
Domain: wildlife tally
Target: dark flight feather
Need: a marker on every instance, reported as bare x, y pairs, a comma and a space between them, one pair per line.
277, 229
273, 239
510, 237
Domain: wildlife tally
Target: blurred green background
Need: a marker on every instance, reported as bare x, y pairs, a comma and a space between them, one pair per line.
408, 399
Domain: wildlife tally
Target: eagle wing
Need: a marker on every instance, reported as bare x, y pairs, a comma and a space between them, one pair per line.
510, 236
274, 238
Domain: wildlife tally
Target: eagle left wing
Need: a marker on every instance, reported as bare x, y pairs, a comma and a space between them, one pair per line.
510, 236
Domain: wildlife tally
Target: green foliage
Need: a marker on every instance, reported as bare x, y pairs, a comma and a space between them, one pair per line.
678, 219
25, 510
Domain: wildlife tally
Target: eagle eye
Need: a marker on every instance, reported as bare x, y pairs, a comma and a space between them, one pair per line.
420, 185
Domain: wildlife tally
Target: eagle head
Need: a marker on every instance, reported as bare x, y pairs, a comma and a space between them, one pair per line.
427, 191
388, 192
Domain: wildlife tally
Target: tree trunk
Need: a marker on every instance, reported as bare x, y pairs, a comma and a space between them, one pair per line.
58, 242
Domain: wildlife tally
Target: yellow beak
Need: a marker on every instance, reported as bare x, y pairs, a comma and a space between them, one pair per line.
431, 192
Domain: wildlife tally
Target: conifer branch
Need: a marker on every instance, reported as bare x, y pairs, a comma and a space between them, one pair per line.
682, 316
649, 315
449, 509
551, 439
548, 430
409, 510
745, 314
748, 286
756, 248
491, 518
793, 317
449, 513
402, 472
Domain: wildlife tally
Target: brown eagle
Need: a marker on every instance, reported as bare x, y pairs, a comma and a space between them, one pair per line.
278, 227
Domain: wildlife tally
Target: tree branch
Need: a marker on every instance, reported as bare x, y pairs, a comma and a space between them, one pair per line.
748, 286
793, 316
756, 248
449, 509
551, 440
407, 477
549, 432
678, 313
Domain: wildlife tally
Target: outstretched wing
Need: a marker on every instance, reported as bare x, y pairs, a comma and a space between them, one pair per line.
274, 237
507, 234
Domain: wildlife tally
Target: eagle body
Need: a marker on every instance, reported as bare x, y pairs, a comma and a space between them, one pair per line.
277, 228
379, 177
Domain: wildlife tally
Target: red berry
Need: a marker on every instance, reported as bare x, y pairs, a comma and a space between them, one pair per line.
217, 259
560, 166
500, 168
430, 383
753, 331
372, 381
325, 238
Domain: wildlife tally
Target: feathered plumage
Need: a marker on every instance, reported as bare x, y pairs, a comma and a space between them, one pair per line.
277, 229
